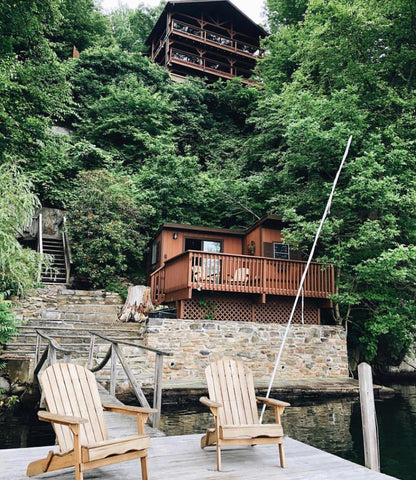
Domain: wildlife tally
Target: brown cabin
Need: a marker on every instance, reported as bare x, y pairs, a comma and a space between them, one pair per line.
206, 38
226, 274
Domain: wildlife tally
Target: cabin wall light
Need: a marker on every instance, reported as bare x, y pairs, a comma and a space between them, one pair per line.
175, 235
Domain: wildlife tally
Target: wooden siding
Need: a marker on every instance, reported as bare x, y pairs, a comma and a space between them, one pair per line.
237, 273
271, 235
254, 236
171, 247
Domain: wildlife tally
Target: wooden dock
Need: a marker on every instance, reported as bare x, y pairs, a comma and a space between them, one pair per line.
181, 457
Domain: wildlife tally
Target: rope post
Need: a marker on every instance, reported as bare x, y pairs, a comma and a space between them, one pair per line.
91, 352
113, 374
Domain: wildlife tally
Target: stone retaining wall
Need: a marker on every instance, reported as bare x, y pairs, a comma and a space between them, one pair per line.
311, 351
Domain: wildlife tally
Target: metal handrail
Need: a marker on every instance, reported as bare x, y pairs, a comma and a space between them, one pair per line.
40, 245
67, 250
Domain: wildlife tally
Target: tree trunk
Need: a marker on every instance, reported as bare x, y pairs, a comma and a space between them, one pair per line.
137, 305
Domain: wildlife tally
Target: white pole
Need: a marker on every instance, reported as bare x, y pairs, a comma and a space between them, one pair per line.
302, 280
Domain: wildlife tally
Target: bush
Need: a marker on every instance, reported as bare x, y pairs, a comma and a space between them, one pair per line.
8, 322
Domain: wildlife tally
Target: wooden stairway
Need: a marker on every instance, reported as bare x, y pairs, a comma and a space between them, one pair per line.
57, 272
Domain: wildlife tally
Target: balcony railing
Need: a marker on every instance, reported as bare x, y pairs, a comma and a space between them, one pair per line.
238, 273
207, 65
217, 40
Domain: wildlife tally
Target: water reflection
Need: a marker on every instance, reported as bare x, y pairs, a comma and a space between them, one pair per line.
323, 425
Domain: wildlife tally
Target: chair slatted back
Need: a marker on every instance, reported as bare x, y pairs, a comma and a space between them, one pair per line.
72, 390
231, 384
242, 275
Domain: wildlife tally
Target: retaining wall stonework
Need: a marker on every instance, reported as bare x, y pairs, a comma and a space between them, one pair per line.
311, 351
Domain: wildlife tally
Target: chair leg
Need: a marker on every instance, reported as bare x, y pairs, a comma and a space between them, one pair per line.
218, 448
282, 455
143, 461
79, 475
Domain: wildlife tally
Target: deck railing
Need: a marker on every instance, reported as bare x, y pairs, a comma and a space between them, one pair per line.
216, 39
238, 273
207, 65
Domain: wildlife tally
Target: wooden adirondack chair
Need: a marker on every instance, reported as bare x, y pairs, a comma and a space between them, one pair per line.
232, 401
76, 413
241, 277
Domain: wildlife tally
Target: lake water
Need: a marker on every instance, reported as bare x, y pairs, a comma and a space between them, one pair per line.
333, 426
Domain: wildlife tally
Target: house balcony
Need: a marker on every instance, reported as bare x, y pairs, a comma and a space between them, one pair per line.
209, 66
220, 272
203, 37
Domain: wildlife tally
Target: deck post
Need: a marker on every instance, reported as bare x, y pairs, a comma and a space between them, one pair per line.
51, 355
369, 418
157, 393
113, 374
38, 347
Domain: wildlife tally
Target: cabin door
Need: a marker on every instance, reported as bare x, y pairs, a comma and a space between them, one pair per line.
211, 266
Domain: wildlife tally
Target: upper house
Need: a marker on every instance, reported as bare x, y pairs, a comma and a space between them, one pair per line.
205, 38
227, 274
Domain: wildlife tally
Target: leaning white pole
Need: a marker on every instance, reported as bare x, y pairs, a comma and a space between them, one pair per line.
302, 280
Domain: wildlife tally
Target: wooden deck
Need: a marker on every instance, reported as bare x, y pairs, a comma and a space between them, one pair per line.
221, 272
181, 457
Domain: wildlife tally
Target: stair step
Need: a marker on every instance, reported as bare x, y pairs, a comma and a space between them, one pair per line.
69, 316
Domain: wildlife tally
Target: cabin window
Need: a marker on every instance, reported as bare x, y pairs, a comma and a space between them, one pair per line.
155, 252
213, 246
280, 250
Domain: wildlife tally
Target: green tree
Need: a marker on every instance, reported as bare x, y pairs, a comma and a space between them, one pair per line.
132, 27
82, 25
343, 68
107, 227
19, 266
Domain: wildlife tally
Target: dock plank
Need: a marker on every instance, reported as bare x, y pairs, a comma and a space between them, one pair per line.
181, 457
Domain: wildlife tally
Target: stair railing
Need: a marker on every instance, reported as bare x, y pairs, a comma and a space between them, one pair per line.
67, 250
40, 244
115, 353
50, 354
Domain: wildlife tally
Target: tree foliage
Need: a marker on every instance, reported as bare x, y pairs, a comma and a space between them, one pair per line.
107, 227
340, 69
142, 147
19, 266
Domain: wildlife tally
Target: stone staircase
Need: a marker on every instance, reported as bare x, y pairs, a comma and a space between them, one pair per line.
68, 316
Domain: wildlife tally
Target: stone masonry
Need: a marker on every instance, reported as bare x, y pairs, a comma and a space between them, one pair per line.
311, 351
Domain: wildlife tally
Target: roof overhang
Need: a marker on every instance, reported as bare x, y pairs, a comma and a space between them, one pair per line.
224, 7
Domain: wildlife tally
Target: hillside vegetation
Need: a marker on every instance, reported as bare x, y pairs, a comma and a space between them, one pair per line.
143, 150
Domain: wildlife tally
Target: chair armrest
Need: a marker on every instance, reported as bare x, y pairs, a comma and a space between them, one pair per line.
61, 419
271, 402
213, 406
127, 409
